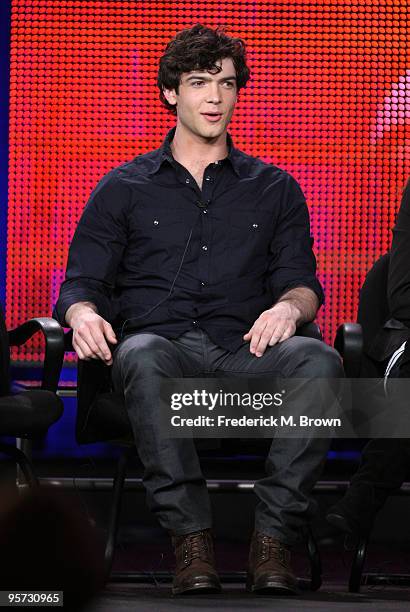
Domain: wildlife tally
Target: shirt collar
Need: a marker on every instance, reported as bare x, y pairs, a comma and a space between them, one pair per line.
164, 153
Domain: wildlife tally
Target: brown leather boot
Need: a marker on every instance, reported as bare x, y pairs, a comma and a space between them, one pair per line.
195, 564
269, 566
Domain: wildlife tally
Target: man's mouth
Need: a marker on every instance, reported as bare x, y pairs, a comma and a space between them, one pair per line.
212, 117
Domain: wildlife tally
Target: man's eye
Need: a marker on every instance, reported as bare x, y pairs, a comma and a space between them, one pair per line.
229, 83
197, 82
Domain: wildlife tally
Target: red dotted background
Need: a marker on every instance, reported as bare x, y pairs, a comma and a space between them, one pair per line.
329, 101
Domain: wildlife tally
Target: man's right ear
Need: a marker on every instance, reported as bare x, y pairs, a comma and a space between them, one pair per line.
170, 95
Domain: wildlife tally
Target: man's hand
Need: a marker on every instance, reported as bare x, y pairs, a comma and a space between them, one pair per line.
273, 325
90, 332
296, 306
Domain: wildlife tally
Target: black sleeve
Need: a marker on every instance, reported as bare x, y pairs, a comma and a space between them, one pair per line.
293, 262
96, 249
398, 284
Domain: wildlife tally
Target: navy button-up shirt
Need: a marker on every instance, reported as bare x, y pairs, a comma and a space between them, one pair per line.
156, 253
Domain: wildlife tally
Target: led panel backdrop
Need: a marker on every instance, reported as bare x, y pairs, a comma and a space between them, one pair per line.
328, 101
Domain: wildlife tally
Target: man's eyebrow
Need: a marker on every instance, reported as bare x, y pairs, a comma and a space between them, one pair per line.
205, 78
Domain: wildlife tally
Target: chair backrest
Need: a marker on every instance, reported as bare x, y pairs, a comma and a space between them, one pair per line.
4, 357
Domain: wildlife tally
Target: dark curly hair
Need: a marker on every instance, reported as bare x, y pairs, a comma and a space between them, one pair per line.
199, 48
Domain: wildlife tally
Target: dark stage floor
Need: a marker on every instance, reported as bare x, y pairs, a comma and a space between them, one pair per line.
330, 597
333, 594
146, 548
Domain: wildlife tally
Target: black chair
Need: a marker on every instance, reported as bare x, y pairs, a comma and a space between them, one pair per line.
102, 417
27, 415
365, 346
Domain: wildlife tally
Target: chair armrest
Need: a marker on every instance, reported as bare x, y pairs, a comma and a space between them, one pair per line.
68, 341
310, 330
349, 344
54, 353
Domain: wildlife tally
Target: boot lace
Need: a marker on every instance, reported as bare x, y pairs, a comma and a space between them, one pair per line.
194, 546
272, 550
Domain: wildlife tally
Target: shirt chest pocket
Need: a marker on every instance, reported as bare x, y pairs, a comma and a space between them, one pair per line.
159, 236
250, 230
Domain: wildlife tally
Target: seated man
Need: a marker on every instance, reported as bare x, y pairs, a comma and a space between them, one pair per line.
200, 255
384, 461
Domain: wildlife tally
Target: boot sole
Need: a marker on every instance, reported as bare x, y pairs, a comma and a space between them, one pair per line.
197, 587
271, 586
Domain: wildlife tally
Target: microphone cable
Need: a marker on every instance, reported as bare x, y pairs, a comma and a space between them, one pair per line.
145, 314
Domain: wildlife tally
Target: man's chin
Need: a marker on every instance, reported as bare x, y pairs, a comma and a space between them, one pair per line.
212, 132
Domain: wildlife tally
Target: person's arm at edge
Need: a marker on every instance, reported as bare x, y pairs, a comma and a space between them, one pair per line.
398, 283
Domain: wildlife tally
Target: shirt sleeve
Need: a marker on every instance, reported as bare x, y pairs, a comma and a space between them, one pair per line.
398, 283
96, 249
293, 263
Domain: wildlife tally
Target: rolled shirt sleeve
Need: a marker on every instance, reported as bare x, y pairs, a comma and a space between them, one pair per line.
96, 249
293, 263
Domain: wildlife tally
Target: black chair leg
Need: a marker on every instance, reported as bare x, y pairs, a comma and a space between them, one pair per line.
22, 461
315, 563
118, 487
356, 570
358, 577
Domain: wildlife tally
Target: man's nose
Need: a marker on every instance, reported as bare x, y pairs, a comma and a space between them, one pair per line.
213, 93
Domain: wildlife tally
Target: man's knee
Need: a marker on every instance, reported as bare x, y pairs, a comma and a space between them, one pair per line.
315, 359
146, 354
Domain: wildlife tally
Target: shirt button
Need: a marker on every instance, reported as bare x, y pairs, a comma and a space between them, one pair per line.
204, 248
255, 225
156, 222
203, 284
194, 322
187, 180
204, 211
207, 178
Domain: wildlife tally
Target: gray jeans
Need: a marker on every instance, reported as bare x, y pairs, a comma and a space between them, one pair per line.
176, 489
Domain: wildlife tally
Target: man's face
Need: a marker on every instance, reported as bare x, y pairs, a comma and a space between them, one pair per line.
205, 102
